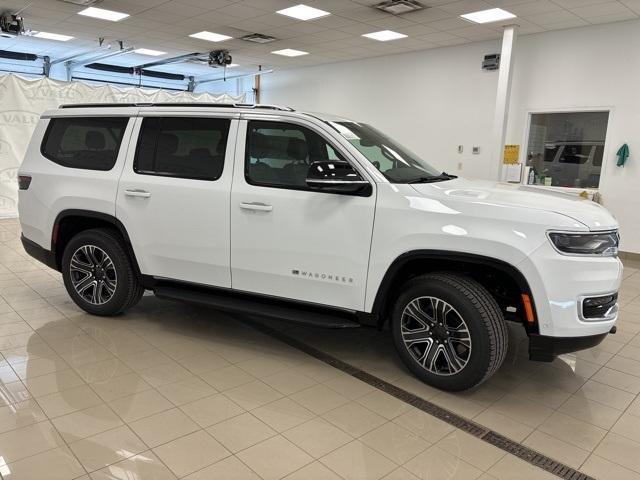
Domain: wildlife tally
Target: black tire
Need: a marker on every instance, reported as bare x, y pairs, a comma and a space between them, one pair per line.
128, 289
484, 321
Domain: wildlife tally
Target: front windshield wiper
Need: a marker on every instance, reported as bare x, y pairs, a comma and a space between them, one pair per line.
437, 178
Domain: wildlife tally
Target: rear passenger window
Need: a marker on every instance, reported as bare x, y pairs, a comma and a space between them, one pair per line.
182, 147
91, 143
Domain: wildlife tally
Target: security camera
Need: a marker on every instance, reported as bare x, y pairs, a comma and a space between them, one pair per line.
219, 58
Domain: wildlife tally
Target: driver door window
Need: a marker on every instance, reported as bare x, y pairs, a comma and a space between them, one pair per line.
280, 154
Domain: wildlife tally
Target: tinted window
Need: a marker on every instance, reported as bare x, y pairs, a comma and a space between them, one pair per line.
279, 154
90, 143
182, 147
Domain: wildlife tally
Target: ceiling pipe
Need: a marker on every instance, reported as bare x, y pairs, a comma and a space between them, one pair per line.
206, 79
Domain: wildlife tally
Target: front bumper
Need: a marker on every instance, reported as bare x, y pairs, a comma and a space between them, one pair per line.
36, 251
545, 349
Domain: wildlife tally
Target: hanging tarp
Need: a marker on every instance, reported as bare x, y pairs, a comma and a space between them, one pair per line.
23, 100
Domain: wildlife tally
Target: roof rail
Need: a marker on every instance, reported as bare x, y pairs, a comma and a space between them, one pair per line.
180, 104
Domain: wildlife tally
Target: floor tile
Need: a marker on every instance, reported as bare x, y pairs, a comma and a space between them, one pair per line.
591, 412
143, 466
354, 419
253, 395
424, 425
599, 467
557, 449
395, 442
228, 469
86, 423
313, 471
319, 399
140, 405
283, 414
471, 449
605, 394
191, 453
163, 427
211, 410
512, 468
573, 431
526, 411
349, 386
241, 432
226, 378
120, 386
384, 404
289, 381
20, 415
620, 450
439, 464
53, 382
186, 391
274, 458
27, 441
504, 425
106, 448
56, 464
317, 437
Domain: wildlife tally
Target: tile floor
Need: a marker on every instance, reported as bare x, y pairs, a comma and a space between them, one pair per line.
178, 391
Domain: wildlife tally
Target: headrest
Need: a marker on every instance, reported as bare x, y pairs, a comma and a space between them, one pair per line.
94, 140
259, 146
199, 153
297, 149
168, 143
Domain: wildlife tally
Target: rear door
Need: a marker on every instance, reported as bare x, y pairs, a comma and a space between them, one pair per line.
173, 196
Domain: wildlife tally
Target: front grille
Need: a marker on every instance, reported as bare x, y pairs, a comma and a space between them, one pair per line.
597, 307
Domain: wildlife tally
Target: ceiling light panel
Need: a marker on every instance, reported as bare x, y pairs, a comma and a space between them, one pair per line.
103, 14
385, 35
53, 36
210, 36
290, 52
488, 16
303, 12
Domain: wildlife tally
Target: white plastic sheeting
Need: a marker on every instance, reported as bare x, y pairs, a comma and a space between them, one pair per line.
23, 100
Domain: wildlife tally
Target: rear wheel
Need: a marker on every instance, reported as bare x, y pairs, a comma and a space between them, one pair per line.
98, 273
449, 330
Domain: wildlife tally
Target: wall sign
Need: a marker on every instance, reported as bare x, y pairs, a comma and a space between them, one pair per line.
511, 154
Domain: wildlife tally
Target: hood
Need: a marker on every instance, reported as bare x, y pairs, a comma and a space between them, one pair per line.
592, 215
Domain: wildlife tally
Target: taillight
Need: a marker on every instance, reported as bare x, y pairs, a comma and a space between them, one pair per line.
24, 181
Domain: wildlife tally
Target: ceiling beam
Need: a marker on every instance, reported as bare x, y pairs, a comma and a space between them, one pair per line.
207, 78
167, 61
71, 64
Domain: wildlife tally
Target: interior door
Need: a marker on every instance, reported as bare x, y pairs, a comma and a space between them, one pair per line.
286, 239
173, 196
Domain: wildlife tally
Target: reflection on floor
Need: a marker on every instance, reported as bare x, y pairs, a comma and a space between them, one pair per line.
177, 391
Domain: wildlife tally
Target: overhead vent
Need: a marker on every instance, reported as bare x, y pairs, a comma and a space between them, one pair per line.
399, 7
83, 3
258, 38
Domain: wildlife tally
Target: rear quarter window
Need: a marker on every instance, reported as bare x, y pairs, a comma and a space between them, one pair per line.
90, 143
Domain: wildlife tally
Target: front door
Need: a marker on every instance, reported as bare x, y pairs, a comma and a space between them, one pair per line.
173, 197
286, 239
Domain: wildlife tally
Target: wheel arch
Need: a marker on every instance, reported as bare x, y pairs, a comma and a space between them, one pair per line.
502, 279
69, 223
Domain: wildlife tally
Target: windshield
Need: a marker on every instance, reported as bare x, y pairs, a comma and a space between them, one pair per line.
395, 162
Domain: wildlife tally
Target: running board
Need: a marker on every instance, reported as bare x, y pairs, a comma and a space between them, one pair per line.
259, 306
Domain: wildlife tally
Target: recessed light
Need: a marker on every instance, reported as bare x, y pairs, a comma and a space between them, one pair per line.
487, 16
233, 65
53, 36
303, 12
148, 51
210, 36
290, 52
103, 14
385, 35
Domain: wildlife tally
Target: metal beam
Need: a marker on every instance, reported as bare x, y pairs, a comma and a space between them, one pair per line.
167, 61
95, 51
71, 64
503, 96
206, 79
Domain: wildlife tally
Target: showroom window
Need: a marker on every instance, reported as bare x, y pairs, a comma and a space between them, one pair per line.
182, 147
567, 149
279, 154
90, 143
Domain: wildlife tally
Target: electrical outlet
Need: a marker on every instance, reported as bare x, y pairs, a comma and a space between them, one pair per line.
475, 150
460, 148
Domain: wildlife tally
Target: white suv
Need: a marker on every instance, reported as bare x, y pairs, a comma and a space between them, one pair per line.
314, 219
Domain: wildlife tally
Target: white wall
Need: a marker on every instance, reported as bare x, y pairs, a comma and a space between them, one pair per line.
434, 100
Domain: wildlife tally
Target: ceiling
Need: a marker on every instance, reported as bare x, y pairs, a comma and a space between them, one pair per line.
166, 25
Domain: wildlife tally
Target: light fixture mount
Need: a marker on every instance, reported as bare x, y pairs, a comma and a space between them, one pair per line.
82, 3
258, 38
399, 7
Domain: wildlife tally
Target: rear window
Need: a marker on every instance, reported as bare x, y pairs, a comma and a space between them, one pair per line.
90, 143
182, 147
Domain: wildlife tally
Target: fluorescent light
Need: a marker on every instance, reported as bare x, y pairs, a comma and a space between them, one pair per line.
210, 36
385, 35
103, 14
486, 16
290, 52
53, 36
148, 51
233, 65
303, 12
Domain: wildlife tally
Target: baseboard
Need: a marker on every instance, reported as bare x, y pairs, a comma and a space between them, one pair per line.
629, 256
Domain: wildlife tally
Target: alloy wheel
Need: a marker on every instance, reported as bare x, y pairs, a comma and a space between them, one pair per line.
436, 335
93, 274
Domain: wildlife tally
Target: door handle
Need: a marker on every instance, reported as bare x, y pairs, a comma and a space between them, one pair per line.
137, 193
263, 207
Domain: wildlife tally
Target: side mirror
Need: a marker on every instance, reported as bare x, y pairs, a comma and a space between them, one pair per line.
336, 176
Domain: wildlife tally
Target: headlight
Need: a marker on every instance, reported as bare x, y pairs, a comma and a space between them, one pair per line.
604, 244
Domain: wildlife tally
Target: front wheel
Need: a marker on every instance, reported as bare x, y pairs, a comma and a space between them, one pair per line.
98, 273
449, 331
